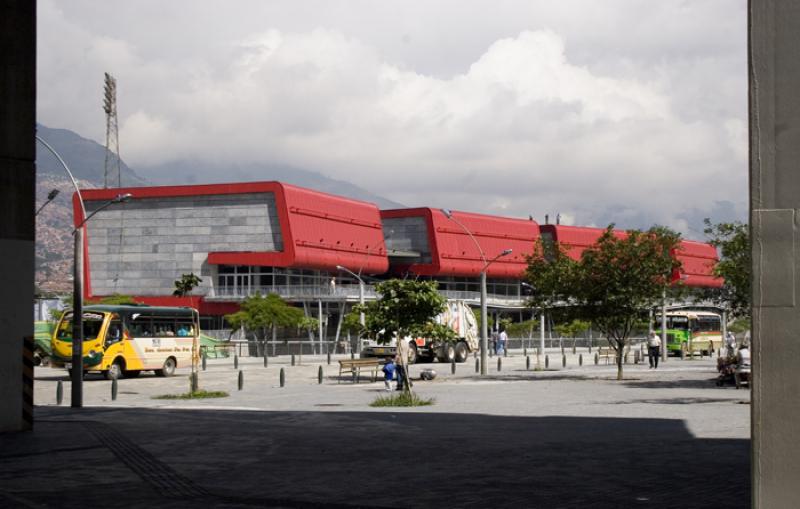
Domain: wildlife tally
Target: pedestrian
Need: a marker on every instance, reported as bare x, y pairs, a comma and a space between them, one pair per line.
401, 363
502, 339
730, 343
388, 373
653, 349
495, 340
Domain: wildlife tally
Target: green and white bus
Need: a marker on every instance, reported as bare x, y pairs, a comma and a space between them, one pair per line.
691, 331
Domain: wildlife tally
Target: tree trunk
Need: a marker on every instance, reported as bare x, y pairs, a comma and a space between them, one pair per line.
620, 353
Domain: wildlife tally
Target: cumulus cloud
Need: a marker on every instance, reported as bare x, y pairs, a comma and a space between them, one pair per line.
522, 127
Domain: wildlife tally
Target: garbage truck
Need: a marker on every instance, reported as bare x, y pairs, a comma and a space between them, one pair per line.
459, 317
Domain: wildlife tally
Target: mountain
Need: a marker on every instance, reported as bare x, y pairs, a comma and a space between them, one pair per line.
195, 172
86, 160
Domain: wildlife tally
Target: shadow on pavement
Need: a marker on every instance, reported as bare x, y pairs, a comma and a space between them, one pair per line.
185, 458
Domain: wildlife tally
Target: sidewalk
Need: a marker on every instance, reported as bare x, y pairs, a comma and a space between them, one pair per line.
518, 439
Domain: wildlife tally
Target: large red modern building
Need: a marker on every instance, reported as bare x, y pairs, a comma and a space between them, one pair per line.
310, 247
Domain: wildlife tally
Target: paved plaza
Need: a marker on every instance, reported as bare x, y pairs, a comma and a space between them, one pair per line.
562, 437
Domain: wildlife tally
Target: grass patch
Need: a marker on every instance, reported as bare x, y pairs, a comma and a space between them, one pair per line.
401, 399
194, 395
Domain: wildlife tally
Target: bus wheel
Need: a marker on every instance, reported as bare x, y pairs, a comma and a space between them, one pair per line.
115, 371
168, 369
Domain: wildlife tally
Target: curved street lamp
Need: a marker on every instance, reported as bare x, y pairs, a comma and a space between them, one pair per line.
484, 312
76, 375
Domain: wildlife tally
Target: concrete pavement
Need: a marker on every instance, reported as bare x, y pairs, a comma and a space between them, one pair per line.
568, 438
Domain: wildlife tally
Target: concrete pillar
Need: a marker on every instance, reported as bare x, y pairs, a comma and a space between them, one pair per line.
17, 202
774, 74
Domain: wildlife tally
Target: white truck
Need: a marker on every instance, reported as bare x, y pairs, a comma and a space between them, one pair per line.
459, 317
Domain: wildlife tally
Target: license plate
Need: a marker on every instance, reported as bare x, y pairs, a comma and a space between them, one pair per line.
68, 365
380, 350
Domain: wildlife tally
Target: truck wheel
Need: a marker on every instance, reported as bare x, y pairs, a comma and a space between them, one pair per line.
448, 354
462, 352
412, 352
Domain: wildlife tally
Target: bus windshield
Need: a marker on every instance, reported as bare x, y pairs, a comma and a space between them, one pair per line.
673, 323
92, 323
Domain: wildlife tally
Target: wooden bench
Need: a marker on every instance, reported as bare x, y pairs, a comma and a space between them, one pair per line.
608, 353
353, 367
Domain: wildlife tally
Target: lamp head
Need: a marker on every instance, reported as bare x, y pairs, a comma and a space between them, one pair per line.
52, 194
506, 252
447, 213
122, 197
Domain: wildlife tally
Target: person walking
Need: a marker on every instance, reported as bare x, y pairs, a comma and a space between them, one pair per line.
502, 339
653, 349
401, 363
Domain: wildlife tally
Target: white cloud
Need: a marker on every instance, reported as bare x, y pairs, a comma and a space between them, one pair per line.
596, 124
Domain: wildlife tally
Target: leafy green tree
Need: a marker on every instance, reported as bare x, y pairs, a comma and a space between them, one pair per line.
259, 315
406, 308
572, 329
186, 284
116, 299
612, 285
732, 240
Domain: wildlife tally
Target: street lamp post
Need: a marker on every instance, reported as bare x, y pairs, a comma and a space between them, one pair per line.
361, 317
76, 375
484, 317
50, 197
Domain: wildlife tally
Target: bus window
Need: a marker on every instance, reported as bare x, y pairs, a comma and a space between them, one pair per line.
164, 326
114, 332
141, 326
92, 323
185, 327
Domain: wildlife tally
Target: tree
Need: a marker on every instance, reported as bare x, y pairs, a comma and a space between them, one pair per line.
186, 284
259, 315
406, 308
184, 287
732, 240
614, 282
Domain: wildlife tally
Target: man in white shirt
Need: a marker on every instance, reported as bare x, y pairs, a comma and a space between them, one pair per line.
653, 349
401, 362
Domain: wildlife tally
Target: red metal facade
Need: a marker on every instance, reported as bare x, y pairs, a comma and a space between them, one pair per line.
453, 251
697, 258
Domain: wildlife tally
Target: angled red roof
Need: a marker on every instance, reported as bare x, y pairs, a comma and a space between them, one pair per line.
697, 258
455, 253
319, 230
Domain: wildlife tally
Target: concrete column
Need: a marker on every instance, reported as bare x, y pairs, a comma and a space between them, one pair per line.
774, 74
17, 202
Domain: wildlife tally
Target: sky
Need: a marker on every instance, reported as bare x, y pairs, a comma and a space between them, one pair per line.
623, 111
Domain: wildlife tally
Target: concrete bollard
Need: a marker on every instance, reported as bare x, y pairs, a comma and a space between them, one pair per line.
563, 361
683, 354
596, 359
477, 365
114, 389
453, 368
505, 350
204, 360
527, 362
499, 364
574, 349
319, 375
292, 359
580, 360
491, 352
282, 378
241, 379
235, 361
562, 349
525, 351
329, 358
546, 361
59, 392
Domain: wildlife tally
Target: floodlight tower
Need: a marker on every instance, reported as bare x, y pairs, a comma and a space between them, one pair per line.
112, 132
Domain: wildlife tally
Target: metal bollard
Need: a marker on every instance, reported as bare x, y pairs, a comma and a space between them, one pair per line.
683, 354
525, 351
319, 375
580, 360
546, 361
114, 389
563, 361
505, 350
282, 378
453, 368
491, 352
292, 359
59, 392
574, 349
204, 361
625, 359
499, 364
193, 387
596, 359
235, 361
477, 365
329, 358
527, 362
562, 349
241, 379
266, 361
475, 354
